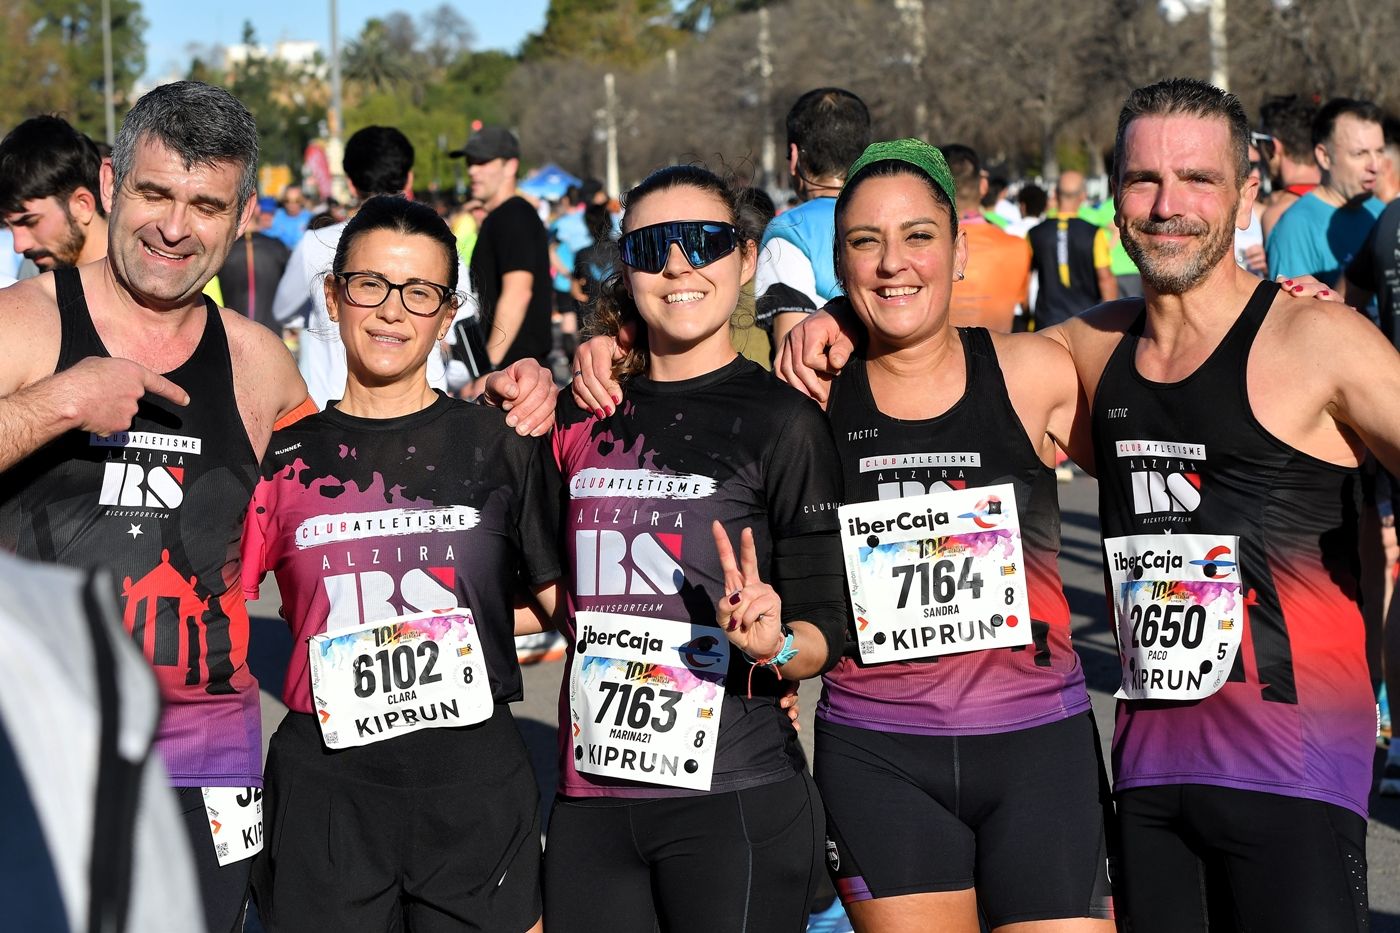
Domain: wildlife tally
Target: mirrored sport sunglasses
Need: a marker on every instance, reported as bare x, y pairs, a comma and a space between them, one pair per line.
701, 241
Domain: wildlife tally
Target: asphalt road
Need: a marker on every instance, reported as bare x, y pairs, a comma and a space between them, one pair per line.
1081, 568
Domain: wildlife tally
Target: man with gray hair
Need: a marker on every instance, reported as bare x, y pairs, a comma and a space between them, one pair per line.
133, 415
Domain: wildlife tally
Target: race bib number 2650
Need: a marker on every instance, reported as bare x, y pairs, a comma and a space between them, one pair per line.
1179, 611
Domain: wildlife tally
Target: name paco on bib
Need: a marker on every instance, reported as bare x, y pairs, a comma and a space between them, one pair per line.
389, 678
645, 698
936, 574
1179, 610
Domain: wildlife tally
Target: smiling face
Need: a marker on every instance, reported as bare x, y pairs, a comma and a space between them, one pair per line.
387, 345
171, 227
899, 258
687, 309
1178, 199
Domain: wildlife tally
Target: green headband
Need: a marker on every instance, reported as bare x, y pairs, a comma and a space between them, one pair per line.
927, 159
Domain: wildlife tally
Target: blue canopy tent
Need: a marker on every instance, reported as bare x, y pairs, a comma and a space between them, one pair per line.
548, 182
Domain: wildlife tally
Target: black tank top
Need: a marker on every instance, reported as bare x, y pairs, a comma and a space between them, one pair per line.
1296, 715
979, 441
161, 506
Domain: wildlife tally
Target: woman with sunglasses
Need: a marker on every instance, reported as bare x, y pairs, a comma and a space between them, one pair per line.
398, 522
958, 762
683, 798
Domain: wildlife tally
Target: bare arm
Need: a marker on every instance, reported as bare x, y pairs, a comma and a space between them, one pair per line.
266, 380
1366, 369
517, 288
37, 405
540, 610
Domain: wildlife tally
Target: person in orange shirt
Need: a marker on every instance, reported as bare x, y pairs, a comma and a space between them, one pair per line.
998, 264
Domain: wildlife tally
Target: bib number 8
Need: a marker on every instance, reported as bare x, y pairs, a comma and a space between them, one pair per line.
397, 669
1156, 625
936, 581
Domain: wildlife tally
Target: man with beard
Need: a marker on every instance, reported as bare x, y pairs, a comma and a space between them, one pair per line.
49, 194
133, 414
1228, 415
1228, 420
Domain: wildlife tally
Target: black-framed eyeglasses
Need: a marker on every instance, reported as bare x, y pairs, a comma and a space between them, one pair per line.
701, 241
370, 289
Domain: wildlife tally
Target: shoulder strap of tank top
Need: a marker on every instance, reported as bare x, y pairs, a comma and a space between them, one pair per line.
1259, 303
78, 339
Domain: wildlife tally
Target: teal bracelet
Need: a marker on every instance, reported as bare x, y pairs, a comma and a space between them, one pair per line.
785, 654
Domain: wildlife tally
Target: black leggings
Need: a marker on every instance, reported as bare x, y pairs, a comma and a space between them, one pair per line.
746, 861
1199, 858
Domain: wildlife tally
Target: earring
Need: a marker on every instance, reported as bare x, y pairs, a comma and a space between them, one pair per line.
958, 276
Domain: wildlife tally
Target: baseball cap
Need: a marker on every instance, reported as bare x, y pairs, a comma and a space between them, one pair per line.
487, 143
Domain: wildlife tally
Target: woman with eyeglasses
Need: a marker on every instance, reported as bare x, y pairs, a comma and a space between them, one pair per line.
700, 524
400, 524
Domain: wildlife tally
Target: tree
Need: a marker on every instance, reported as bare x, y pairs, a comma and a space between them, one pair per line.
379, 60
625, 33
51, 59
450, 36
288, 102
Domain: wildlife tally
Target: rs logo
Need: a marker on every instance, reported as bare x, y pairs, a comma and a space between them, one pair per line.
359, 598
907, 488
607, 564
1165, 492
129, 484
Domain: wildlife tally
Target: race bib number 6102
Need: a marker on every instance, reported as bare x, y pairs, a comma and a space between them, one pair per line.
936, 574
396, 676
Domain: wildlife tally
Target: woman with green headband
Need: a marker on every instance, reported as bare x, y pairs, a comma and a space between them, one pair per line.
955, 747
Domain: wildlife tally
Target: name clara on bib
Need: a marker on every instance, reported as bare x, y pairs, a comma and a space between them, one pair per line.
388, 678
936, 574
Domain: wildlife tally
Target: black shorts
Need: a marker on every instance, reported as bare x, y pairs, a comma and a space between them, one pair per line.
745, 860
436, 831
1197, 857
1018, 816
223, 889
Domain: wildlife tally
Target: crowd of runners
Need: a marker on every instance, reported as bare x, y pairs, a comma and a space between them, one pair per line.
876, 508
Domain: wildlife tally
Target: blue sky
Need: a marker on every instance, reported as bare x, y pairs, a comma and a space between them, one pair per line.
173, 24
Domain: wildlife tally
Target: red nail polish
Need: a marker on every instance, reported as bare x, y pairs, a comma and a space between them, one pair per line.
734, 600
1287, 281
1297, 288
1323, 292
611, 410
617, 399
599, 413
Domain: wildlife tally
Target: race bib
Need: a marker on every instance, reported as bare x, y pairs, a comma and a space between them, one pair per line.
384, 679
1179, 611
936, 574
645, 697
235, 822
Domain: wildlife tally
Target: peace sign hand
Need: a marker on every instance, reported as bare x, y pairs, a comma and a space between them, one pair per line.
750, 611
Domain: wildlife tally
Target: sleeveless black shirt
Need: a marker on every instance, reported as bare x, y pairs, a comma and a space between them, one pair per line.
161, 506
1296, 716
979, 441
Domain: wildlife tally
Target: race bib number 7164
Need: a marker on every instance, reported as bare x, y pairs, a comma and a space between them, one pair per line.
936, 574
